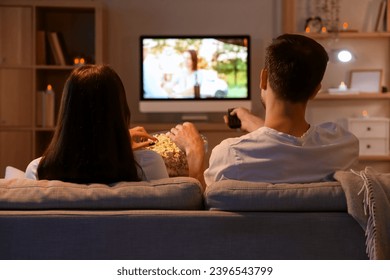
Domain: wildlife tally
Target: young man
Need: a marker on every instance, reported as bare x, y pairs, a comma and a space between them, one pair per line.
284, 147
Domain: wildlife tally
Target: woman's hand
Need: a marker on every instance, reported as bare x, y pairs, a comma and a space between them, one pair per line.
140, 138
249, 122
188, 139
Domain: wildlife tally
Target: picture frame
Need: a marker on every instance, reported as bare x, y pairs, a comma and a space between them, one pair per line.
366, 81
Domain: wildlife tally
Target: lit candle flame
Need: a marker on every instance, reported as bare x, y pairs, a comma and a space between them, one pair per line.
345, 25
343, 86
365, 114
324, 30
49, 87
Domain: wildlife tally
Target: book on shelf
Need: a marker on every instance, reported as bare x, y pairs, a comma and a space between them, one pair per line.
55, 46
380, 20
387, 18
41, 48
62, 41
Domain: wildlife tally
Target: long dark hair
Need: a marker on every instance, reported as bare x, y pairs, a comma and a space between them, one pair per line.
91, 143
194, 59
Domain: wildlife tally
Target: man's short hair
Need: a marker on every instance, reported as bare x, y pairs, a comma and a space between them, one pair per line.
296, 65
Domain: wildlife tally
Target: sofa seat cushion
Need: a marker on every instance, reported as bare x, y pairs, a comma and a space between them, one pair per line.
232, 195
179, 193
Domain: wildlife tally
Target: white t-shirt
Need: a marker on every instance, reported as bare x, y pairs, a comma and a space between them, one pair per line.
267, 155
151, 163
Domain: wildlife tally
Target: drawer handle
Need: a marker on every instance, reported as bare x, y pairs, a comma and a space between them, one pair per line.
368, 128
368, 146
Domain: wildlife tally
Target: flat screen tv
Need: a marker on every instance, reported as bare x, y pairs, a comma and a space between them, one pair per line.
190, 74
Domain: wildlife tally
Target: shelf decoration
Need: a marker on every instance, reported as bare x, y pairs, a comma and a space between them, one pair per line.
324, 16
46, 107
78, 61
365, 114
342, 89
367, 81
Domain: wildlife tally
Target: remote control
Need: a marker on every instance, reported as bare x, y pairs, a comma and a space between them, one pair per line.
233, 120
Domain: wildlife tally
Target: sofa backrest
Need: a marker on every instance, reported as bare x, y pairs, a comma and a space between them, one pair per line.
176, 193
179, 193
231, 195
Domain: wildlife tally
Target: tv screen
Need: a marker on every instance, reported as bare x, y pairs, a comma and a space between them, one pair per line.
205, 69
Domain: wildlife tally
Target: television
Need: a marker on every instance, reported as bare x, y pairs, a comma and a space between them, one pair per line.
191, 74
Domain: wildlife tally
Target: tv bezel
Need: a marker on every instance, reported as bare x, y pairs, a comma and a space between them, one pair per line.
191, 105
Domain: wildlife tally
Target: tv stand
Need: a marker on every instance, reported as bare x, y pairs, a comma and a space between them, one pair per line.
194, 118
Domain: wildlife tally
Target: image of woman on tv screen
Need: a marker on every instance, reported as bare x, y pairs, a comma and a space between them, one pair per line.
187, 82
166, 76
193, 82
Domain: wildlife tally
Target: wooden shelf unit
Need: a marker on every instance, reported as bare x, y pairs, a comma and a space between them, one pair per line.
337, 105
360, 96
21, 77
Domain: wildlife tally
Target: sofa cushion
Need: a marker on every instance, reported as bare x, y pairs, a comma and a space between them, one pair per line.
170, 194
12, 172
232, 195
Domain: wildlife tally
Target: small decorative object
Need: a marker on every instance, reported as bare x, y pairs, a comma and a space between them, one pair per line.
46, 107
346, 28
78, 61
367, 81
342, 89
323, 16
343, 86
313, 25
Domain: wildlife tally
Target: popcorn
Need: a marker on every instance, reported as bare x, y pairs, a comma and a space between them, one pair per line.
175, 159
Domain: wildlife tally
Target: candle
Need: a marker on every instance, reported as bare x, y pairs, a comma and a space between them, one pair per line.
78, 61
49, 89
343, 86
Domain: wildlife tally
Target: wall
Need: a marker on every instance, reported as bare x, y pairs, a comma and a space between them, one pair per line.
127, 20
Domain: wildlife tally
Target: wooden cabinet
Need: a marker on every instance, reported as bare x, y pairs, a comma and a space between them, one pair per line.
373, 135
28, 66
370, 50
15, 148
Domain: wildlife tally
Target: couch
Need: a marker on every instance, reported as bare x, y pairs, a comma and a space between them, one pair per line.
174, 219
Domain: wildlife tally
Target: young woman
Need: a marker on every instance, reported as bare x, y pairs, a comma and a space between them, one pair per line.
92, 141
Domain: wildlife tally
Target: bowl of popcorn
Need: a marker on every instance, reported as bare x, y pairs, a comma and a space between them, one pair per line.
174, 158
